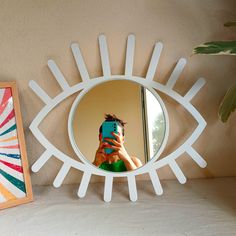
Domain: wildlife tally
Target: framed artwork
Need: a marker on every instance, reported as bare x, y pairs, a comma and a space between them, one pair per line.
15, 184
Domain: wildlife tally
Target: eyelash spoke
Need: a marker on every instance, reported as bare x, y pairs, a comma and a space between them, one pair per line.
129, 61
104, 56
154, 61
177, 171
108, 188
132, 188
156, 182
39, 92
58, 75
195, 89
61, 175
80, 62
196, 157
41, 161
84, 184
176, 73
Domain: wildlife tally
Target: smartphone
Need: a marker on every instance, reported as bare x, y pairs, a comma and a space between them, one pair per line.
107, 128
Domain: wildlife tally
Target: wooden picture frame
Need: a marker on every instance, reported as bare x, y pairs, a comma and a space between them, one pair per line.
15, 183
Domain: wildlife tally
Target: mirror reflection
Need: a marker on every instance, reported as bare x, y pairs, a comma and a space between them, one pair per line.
119, 126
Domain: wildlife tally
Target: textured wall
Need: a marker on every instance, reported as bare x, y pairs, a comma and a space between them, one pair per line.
34, 31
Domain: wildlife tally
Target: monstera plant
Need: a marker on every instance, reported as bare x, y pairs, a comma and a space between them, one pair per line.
228, 104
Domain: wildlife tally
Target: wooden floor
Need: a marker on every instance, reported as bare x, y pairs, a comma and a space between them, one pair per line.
200, 207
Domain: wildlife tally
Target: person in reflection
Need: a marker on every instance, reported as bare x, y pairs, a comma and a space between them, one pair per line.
119, 160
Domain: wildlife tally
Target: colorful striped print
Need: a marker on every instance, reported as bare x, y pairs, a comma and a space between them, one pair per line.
12, 184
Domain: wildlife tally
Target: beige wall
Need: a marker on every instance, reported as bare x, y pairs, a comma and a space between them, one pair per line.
34, 31
122, 98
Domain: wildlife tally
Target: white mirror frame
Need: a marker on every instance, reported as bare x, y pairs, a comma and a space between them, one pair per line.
86, 85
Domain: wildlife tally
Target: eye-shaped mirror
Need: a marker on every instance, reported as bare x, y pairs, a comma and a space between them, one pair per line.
86, 86
119, 126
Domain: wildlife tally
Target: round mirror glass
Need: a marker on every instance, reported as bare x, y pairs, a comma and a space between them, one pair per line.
119, 126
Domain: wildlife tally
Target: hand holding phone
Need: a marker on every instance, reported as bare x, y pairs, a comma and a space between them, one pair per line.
109, 127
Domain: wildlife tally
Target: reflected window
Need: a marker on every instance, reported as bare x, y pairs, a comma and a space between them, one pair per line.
154, 123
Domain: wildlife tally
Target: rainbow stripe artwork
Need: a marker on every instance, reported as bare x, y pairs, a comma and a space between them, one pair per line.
12, 185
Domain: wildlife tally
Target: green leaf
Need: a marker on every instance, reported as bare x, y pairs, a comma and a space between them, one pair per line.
230, 23
228, 104
216, 48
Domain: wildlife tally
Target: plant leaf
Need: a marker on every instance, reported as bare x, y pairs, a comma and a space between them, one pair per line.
228, 104
230, 23
216, 48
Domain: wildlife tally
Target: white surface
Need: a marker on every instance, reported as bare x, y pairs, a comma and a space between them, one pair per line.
88, 84
200, 207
